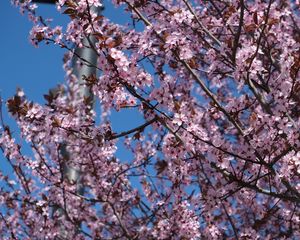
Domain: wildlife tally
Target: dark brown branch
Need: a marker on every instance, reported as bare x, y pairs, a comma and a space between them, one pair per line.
137, 129
239, 31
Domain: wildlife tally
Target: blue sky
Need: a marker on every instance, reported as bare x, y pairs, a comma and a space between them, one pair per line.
22, 64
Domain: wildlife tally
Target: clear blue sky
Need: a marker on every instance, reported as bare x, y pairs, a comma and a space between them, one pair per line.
36, 70
33, 69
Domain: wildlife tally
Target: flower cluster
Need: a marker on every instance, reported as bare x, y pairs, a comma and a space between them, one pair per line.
217, 156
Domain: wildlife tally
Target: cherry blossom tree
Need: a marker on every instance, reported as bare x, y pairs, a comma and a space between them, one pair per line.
217, 157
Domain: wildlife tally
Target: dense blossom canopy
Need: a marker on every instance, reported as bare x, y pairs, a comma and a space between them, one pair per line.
217, 157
